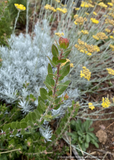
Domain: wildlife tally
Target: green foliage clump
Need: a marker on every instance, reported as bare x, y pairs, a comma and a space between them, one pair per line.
28, 135
82, 134
5, 24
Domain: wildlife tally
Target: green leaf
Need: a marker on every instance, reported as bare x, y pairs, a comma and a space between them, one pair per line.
23, 124
13, 125
61, 61
32, 97
37, 114
50, 72
87, 138
92, 135
14, 132
43, 93
62, 87
53, 64
33, 116
50, 98
55, 51
55, 61
67, 52
91, 129
49, 82
94, 142
5, 127
64, 71
86, 145
23, 131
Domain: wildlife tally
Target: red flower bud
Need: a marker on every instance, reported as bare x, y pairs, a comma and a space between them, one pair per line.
64, 42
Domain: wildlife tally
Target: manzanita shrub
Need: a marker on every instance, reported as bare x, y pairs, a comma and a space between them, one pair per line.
30, 136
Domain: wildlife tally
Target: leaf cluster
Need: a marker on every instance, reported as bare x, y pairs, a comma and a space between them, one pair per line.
82, 134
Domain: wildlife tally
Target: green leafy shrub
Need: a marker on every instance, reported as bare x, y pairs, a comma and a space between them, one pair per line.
5, 24
28, 134
82, 134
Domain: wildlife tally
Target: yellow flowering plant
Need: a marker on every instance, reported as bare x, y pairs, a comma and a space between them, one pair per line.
91, 36
16, 6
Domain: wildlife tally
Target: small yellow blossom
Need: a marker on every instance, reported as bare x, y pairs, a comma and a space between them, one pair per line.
110, 71
95, 13
76, 15
111, 37
71, 65
85, 73
89, 54
107, 30
112, 46
91, 106
64, 10
86, 4
20, 7
86, 13
110, 4
67, 60
100, 35
59, 34
77, 9
84, 31
80, 20
102, 5
105, 102
95, 37
94, 20
109, 21
47, 6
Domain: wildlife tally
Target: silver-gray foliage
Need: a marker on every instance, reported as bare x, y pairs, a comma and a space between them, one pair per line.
25, 61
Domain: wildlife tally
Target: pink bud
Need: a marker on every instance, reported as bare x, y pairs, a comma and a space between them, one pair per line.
64, 42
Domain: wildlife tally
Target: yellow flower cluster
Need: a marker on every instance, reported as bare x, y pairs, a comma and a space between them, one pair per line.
86, 13
47, 6
111, 14
100, 36
80, 20
67, 60
85, 73
86, 48
85, 31
59, 34
76, 15
20, 7
77, 9
91, 106
110, 4
107, 30
111, 37
112, 47
94, 20
110, 71
64, 10
105, 102
86, 4
109, 21
102, 5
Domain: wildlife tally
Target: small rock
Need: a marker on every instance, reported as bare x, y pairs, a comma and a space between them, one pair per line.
102, 136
